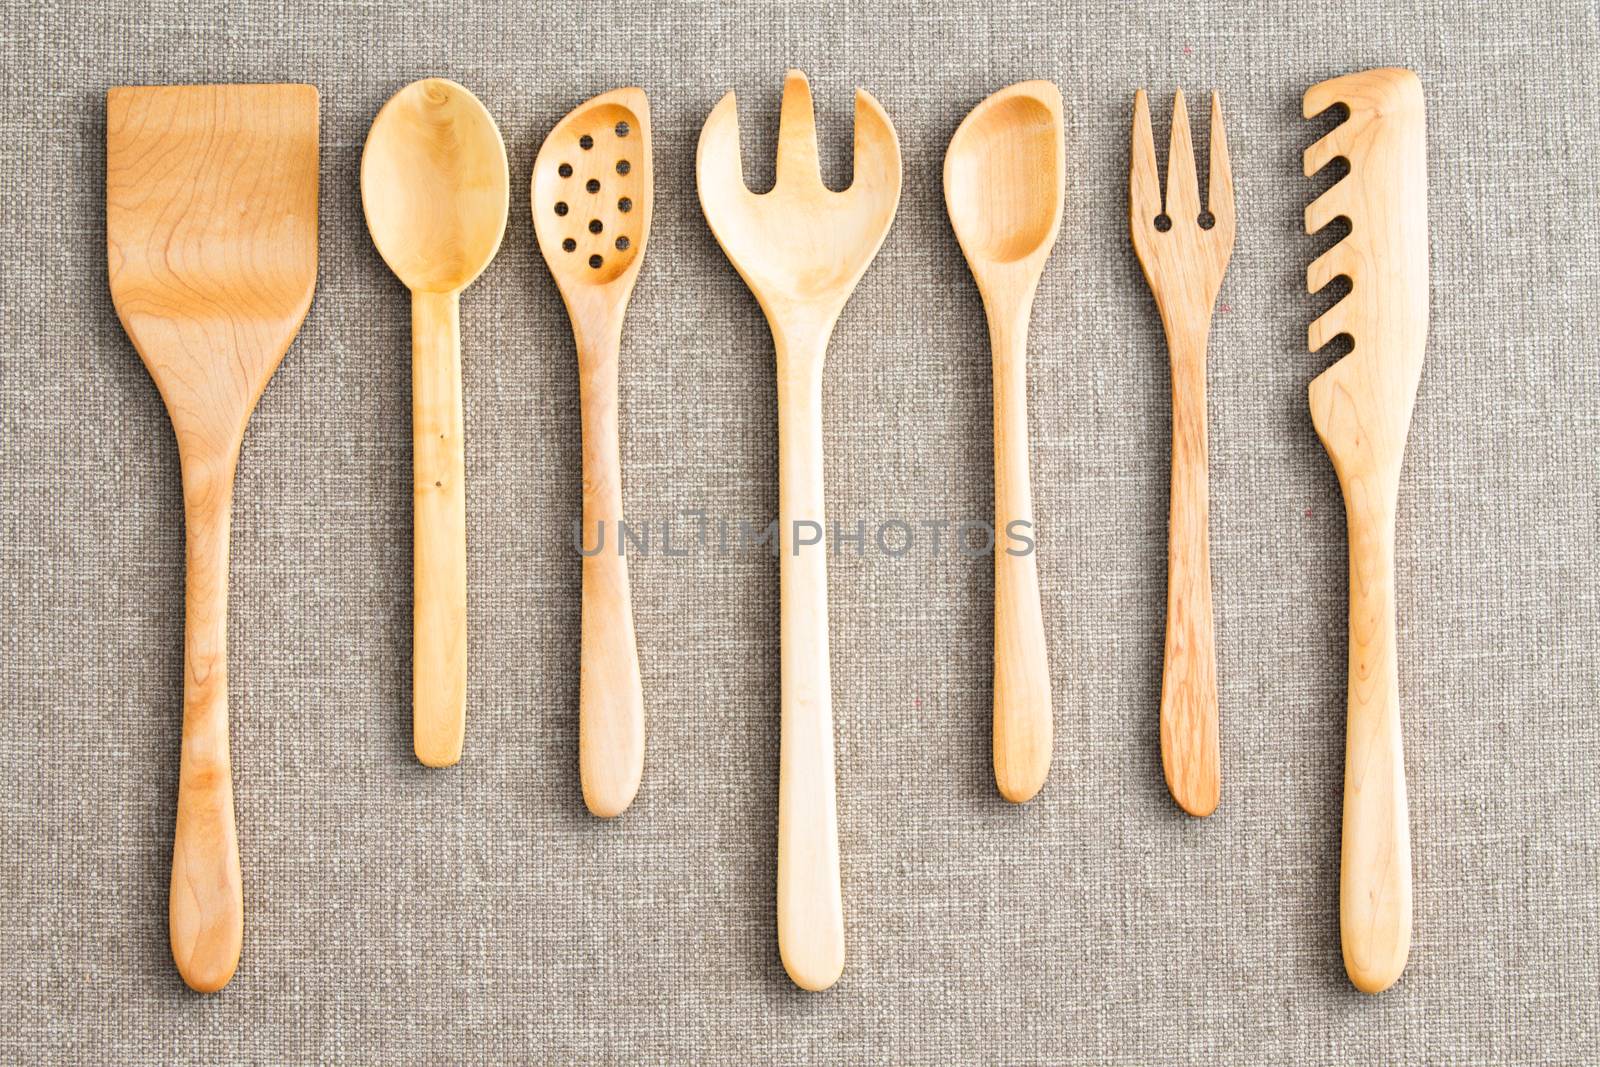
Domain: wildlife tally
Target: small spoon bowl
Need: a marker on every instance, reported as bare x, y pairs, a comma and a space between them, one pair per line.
434, 145
1003, 174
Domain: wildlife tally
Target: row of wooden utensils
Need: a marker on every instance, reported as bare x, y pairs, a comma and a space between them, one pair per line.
212, 242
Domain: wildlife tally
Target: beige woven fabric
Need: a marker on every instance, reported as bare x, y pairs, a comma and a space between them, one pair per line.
403, 916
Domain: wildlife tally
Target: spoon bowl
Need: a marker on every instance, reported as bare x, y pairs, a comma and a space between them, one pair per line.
1004, 173
435, 186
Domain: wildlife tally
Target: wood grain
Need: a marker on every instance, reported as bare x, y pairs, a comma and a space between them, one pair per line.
436, 191
1184, 264
1004, 176
211, 240
591, 202
1361, 408
801, 249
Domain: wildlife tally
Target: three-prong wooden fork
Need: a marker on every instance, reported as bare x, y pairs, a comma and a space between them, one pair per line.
1184, 253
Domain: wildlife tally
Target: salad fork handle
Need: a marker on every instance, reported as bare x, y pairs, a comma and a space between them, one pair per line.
1189, 743
810, 905
206, 902
610, 693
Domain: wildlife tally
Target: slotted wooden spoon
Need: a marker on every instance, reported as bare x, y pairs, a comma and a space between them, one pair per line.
436, 191
1003, 180
211, 238
801, 248
591, 212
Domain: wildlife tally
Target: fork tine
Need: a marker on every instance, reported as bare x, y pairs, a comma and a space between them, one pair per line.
1219, 188
719, 168
797, 133
1183, 188
877, 148
1144, 187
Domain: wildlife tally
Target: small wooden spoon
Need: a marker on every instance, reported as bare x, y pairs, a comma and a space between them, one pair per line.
436, 191
591, 212
211, 237
1003, 179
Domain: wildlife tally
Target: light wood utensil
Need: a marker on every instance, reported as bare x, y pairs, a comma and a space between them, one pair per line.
1361, 408
591, 210
801, 248
436, 189
211, 237
1004, 177
1184, 254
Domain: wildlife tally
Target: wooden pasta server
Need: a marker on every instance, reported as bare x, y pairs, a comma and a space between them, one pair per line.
1361, 408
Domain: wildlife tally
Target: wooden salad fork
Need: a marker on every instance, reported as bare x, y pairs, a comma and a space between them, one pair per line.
1361, 408
801, 248
211, 238
591, 211
1003, 180
1184, 254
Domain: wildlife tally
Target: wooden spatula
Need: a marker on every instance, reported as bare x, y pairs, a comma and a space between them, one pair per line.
211, 234
1361, 407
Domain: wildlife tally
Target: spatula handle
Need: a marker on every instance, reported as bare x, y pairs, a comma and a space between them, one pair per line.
610, 696
439, 633
206, 903
1189, 743
1023, 718
1375, 862
810, 904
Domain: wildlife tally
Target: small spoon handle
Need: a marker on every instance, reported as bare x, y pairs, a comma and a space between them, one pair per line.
1023, 726
610, 696
439, 628
810, 905
1189, 746
206, 905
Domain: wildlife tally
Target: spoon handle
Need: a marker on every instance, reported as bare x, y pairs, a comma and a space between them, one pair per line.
439, 628
610, 696
206, 905
810, 905
1189, 745
1023, 727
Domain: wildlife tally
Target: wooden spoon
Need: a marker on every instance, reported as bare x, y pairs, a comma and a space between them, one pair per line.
436, 190
211, 237
801, 248
591, 211
1003, 180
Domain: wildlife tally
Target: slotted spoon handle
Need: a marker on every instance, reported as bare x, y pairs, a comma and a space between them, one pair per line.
1189, 742
810, 904
206, 903
1375, 859
610, 695
439, 609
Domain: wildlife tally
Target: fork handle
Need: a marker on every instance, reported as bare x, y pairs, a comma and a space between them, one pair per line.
205, 908
1189, 746
1023, 727
810, 904
439, 523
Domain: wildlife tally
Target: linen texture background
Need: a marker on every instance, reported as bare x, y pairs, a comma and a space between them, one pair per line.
406, 916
